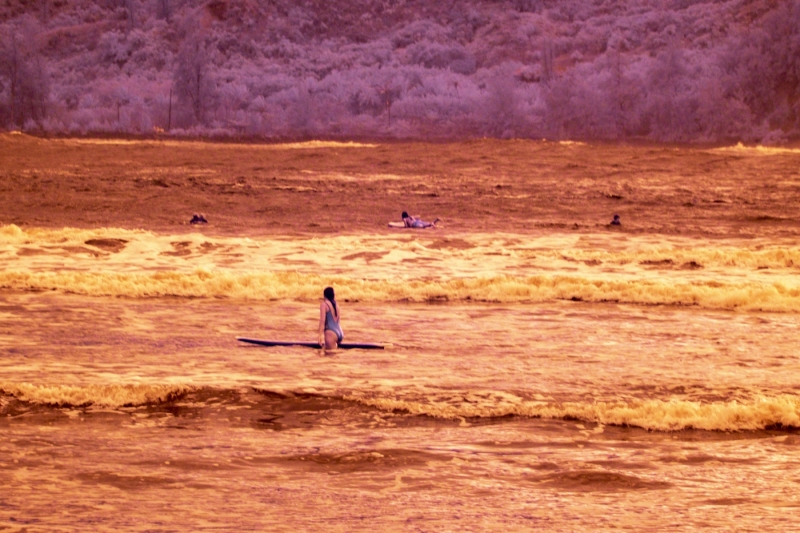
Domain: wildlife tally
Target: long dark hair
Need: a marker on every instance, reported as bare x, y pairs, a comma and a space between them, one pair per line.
329, 295
404, 215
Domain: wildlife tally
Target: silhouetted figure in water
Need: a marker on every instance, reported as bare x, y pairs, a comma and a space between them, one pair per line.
198, 218
416, 222
616, 221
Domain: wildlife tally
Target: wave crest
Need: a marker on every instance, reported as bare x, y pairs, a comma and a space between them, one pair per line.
758, 149
14, 235
660, 415
670, 414
112, 396
745, 295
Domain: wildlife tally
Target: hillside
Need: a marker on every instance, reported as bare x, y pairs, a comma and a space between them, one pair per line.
662, 70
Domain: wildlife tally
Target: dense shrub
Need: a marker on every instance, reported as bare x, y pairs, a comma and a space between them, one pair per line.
675, 71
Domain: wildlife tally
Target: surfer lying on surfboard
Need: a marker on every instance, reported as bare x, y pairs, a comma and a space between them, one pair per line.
330, 332
416, 222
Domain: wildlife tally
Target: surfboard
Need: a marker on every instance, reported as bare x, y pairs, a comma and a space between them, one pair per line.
343, 346
401, 225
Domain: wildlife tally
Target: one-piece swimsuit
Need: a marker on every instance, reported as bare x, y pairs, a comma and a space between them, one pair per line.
331, 324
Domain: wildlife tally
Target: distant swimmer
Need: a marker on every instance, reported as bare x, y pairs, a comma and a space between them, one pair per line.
616, 221
198, 218
416, 222
330, 332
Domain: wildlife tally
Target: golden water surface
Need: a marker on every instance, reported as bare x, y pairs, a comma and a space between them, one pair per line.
544, 371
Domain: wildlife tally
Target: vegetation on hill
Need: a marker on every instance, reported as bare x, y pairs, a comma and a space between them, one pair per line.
663, 70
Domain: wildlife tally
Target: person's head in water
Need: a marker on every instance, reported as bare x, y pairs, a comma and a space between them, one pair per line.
329, 295
404, 215
616, 221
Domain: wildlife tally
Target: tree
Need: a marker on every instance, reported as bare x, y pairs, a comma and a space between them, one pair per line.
130, 10
766, 67
192, 79
164, 10
44, 10
23, 68
388, 94
547, 60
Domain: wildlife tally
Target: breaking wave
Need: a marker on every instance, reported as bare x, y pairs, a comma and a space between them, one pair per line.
659, 415
746, 295
680, 254
693, 258
758, 149
13, 234
180, 143
112, 396
758, 413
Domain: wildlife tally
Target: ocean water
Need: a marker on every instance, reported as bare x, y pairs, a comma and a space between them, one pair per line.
537, 377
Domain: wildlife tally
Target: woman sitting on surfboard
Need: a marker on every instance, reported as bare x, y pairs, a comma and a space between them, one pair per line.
416, 222
330, 333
